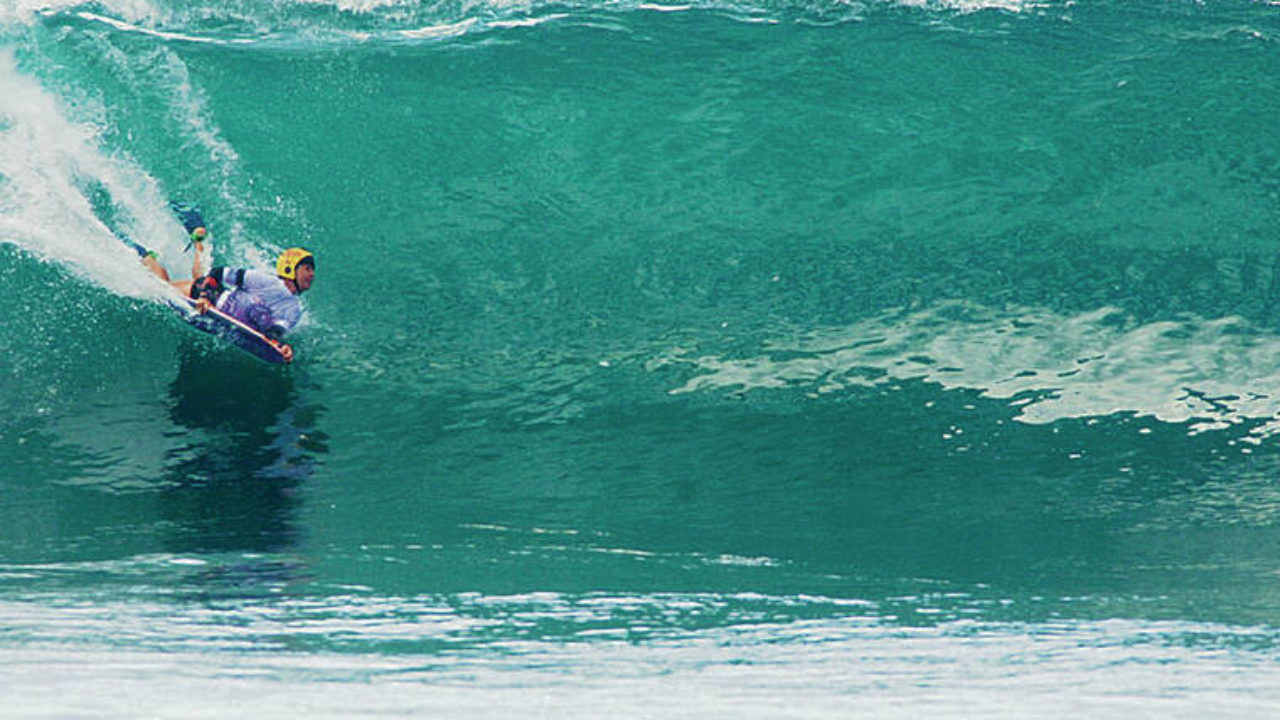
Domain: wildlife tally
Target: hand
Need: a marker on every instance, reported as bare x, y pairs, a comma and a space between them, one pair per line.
287, 352
203, 305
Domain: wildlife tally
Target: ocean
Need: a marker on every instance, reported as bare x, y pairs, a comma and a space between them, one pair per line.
721, 359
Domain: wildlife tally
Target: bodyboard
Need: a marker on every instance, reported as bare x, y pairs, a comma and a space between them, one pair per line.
217, 323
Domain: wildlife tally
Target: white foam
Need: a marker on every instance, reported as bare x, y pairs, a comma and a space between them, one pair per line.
528, 22
439, 31
45, 161
1210, 373
161, 34
25, 11
972, 6
355, 6
655, 7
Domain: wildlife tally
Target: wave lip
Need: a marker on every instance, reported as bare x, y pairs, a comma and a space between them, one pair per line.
308, 23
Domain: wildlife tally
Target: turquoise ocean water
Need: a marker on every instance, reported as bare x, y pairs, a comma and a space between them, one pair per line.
733, 358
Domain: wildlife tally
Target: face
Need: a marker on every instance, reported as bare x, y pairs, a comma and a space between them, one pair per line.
303, 276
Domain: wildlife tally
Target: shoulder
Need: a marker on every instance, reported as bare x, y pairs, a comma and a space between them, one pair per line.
263, 281
261, 276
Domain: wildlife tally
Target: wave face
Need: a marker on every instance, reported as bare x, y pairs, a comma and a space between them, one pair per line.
869, 355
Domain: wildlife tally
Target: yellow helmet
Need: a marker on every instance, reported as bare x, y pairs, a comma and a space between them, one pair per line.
287, 265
